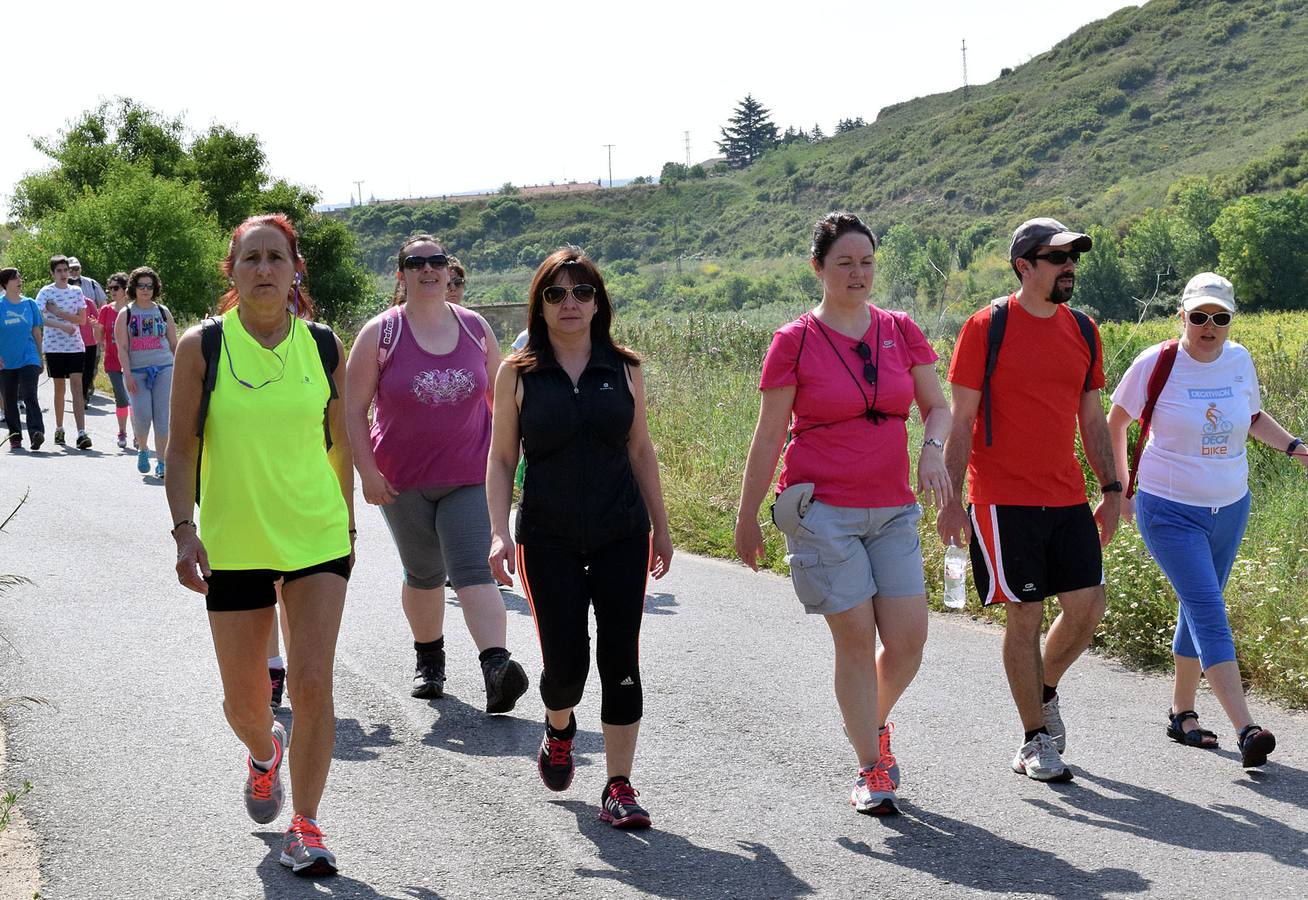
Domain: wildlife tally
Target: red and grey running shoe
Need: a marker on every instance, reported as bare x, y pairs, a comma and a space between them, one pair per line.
263, 790
874, 792
618, 806
303, 850
554, 762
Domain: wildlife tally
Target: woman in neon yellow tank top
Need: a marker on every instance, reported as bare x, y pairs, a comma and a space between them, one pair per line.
274, 503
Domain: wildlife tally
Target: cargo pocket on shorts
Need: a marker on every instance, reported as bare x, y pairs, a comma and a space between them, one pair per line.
809, 576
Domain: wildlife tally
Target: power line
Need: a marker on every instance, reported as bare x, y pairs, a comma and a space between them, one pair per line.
965, 87
610, 147
687, 149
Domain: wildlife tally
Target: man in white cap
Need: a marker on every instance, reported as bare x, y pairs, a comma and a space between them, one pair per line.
1033, 368
91, 331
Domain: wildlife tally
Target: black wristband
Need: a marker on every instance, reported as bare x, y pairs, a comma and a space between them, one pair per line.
1113, 487
180, 524
1294, 445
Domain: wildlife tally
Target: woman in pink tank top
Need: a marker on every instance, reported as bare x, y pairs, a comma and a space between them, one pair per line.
426, 369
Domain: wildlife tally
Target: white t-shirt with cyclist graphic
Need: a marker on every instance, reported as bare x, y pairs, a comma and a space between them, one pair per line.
70, 300
1196, 449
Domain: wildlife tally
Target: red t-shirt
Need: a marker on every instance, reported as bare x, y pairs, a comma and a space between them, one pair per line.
1035, 395
851, 461
109, 315
88, 333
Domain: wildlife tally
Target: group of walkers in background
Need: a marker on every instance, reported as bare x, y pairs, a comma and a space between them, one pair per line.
67, 323
274, 420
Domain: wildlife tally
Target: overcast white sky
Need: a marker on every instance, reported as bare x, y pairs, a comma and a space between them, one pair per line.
420, 99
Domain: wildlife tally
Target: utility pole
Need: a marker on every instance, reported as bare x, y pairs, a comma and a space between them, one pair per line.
359, 186
687, 149
610, 147
965, 87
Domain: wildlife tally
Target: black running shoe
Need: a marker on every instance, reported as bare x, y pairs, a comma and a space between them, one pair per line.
37, 440
618, 806
554, 762
278, 679
505, 683
429, 675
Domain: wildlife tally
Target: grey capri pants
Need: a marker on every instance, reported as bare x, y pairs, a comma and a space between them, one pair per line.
154, 390
439, 533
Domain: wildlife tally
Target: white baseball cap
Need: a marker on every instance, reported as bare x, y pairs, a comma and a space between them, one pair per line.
74, 262
1208, 288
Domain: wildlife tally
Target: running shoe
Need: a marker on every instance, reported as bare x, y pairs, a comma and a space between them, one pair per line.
505, 683
1038, 758
15, 443
263, 790
1053, 722
143, 461
159, 468
122, 440
554, 762
429, 675
83, 441
618, 806
277, 678
874, 792
1255, 743
59, 437
303, 850
37, 440
888, 761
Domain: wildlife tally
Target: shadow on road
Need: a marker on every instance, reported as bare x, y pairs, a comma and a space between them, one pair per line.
660, 604
467, 729
663, 864
1278, 782
1156, 816
279, 882
981, 860
357, 744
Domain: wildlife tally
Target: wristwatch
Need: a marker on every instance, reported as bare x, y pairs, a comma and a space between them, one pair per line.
933, 442
1294, 445
1113, 487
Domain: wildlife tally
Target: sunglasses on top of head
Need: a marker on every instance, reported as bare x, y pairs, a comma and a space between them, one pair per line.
1200, 319
436, 261
582, 293
1057, 257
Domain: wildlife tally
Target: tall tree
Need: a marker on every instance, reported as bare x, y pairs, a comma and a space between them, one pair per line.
749, 133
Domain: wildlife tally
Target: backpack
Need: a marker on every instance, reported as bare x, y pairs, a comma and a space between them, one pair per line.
211, 345
1157, 380
995, 337
392, 325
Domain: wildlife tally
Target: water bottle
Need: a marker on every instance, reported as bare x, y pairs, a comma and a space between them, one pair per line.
955, 572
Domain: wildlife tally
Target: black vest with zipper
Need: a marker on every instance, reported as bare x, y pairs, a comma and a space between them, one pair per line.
580, 492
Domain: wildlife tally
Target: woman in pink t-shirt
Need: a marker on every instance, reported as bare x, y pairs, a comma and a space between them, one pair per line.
430, 367
116, 286
842, 379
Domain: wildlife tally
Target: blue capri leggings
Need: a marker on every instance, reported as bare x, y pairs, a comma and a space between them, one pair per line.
1195, 546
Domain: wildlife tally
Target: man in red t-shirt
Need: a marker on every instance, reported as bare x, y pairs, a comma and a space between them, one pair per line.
1031, 531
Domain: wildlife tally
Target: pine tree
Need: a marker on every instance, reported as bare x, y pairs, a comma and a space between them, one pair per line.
749, 133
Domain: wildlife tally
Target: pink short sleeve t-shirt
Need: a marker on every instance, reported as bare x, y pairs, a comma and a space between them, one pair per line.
851, 461
92, 315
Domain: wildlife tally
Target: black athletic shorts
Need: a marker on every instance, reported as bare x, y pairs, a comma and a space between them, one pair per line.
1027, 553
61, 365
237, 590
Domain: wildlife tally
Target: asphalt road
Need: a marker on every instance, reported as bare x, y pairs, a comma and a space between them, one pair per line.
742, 762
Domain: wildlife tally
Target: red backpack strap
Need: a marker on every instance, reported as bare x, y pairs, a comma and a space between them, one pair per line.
1157, 380
388, 336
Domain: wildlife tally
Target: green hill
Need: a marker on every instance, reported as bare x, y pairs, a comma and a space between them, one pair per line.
1096, 129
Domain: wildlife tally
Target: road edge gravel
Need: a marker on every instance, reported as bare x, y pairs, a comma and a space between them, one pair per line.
20, 869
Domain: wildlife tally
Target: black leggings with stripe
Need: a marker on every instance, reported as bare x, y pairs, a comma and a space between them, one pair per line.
561, 585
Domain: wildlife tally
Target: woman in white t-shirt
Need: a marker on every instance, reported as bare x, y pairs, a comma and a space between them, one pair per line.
1193, 502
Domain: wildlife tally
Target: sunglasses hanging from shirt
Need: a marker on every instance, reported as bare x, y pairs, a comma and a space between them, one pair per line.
870, 411
281, 359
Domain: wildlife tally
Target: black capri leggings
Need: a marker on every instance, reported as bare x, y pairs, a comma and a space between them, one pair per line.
560, 586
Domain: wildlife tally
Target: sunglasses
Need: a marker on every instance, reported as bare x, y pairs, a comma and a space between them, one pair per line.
582, 293
456, 281
869, 370
116, 287
145, 285
1058, 257
436, 261
1200, 319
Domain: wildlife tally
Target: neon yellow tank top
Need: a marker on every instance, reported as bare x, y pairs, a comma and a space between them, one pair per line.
269, 498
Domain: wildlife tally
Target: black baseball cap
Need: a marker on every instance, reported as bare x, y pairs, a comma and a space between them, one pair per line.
1044, 232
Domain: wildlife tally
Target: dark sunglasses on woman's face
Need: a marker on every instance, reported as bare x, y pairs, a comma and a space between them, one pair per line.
436, 261
582, 293
145, 285
1058, 257
456, 281
1200, 319
869, 370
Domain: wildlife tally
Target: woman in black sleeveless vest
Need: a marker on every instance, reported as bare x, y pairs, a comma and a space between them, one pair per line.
575, 401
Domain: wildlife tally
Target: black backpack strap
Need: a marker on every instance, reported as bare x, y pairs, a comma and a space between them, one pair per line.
1088, 332
327, 353
211, 348
994, 337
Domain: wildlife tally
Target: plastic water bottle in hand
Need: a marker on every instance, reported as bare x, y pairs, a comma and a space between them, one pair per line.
955, 573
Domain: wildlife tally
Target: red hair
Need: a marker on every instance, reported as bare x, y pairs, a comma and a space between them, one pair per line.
297, 299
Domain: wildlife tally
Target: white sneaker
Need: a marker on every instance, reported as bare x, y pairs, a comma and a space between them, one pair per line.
1038, 758
1053, 722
